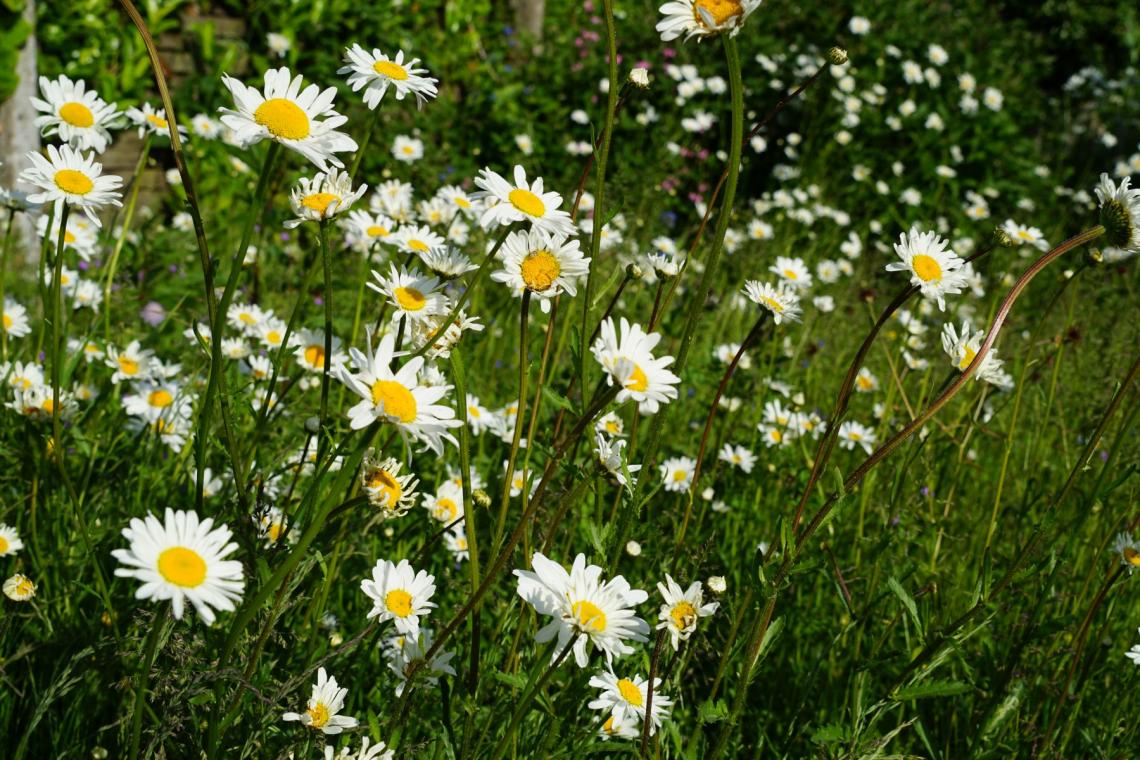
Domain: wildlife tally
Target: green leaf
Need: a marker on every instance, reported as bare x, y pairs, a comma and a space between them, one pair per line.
938, 688
830, 734
712, 711
908, 602
514, 680
557, 399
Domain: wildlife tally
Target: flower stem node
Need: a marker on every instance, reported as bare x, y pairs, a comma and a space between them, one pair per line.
836, 56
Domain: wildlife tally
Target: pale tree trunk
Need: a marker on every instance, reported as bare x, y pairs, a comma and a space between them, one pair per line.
529, 15
18, 133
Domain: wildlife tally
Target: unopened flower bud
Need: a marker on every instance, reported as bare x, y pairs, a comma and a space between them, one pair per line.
633, 272
717, 584
481, 498
633, 549
836, 56
639, 77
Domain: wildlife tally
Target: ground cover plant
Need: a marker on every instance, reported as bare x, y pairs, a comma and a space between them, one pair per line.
718, 379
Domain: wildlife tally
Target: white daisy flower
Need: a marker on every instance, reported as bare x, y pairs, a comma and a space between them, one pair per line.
1120, 213
411, 294
936, 270
407, 149
625, 699
793, 271
418, 239
310, 352
852, 434
368, 751
783, 303
68, 176
446, 504
521, 202
627, 358
322, 197
14, 319
407, 652
323, 711
963, 346
130, 363
364, 229
738, 456
682, 609
702, 18
388, 491
79, 116
865, 381
609, 454
677, 472
10, 542
399, 594
546, 265
1128, 549
19, 588
182, 559
375, 73
152, 121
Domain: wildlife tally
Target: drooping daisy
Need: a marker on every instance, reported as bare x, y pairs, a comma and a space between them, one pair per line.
182, 559
79, 116
10, 542
738, 456
852, 434
68, 176
301, 120
702, 18
397, 397
521, 202
781, 302
627, 357
446, 504
1120, 213
14, 319
322, 197
546, 265
936, 270
610, 458
377, 72
677, 472
625, 699
19, 588
962, 347
410, 293
400, 594
405, 653
388, 491
323, 711
152, 121
682, 609
583, 607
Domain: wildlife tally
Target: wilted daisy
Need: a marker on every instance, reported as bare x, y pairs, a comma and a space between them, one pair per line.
677, 472
546, 265
389, 491
10, 542
780, 301
738, 456
1119, 213
852, 434
583, 607
397, 397
625, 699
1128, 549
79, 116
628, 359
936, 270
701, 18
301, 120
410, 293
376, 72
322, 197
182, 559
682, 609
19, 588
323, 711
521, 202
68, 176
400, 594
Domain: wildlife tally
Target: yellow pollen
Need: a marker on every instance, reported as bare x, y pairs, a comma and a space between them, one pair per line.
391, 70
315, 356
273, 338
967, 358
926, 268
864, 382
445, 510
637, 380
283, 118
156, 120
318, 715
76, 114
588, 616
274, 532
720, 11
68, 236
382, 481
527, 202
630, 693
776, 435
683, 615
418, 245
128, 366
791, 274
376, 231
462, 203
396, 400
320, 202
182, 567
539, 270
772, 304
73, 182
679, 475
160, 398
7, 322
410, 299
3, 546
1131, 556
246, 318
398, 602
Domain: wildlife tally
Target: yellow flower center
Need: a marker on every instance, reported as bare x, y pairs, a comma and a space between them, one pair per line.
1024, 235
445, 510
410, 299
926, 267
391, 70
246, 318
24, 587
382, 481
160, 398
864, 382
7, 322
320, 202
182, 567
396, 400
791, 274
76, 114
3, 546
630, 693
376, 231
156, 121
772, 304
1131, 556
719, 10
318, 715
776, 435
274, 532
68, 236
527, 202
588, 616
128, 366
273, 338
678, 476
462, 203
418, 245
283, 118
539, 270
74, 182
608, 726
683, 615
398, 602
967, 357
637, 380
315, 356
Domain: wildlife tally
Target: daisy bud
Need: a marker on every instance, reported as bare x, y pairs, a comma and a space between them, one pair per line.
1002, 238
633, 549
717, 584
633, 272
313, 425
836, 56
639, 77
481, 498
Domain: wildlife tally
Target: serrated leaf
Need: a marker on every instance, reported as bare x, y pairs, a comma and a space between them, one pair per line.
712, 711
514, 680
557, 399
830, 734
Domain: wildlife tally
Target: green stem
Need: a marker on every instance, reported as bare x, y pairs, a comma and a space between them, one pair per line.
150, 649
326, 259
524, 702
508, 476
57, 335
129, 214
4, 252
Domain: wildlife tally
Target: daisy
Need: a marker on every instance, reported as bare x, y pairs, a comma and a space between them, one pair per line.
14, 319
852, 434
610, 458
682, 609
19, 588
1132, 654
459, 198
521, 202
205, 127
400, 594
156, 398
322, 197
792, 271
368, 751
783, 303
130, 363
151, 121
448, 263
583, 607
411, 294
407, 149
625, 699
68, 176
79, 116
10, 542
310, 353
936, 270
1120, 213
456, 542
677, 472
323, 711
446, 504
363, 229
376, 72
80, 235
281, 111
702, 18
406, 653
962, 347
389, 491
1128, 549
182, 559
419, 240
611, 729
546, 265
627, 357
393, 198
397, 397
865, 381
738, 456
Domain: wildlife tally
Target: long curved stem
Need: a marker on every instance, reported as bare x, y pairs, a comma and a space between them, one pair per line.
129, 215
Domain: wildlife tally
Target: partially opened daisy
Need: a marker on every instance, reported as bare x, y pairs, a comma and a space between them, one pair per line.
79, 116
585, 609
375, 73
399, 594
682, 609
397, 397
627, 357
323, 711
936, 270
546, 265
505, 203
322, 197
68, 176
410, 293
1120, 213
152, 121
702, 18
626, 698
182, 559
301, 120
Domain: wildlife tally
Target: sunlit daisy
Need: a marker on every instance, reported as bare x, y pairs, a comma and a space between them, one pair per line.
682, 609
446, 504
852, 434
609, 454
794, 272
322, 197
363, 229
68, 176
130, 363
962, 347
701, 18
376, 72
521, 202
323, 711
677, 472
400, 594
783, 303
152, 121
79, 116
936, 270
627, 357
310, 351
388, 491
626, 698
418, 239
1128, 549
410, 293
14, 319
738, 456
1120, 213
546, 265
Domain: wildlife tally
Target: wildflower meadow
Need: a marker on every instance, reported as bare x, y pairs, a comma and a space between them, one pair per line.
565, 378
